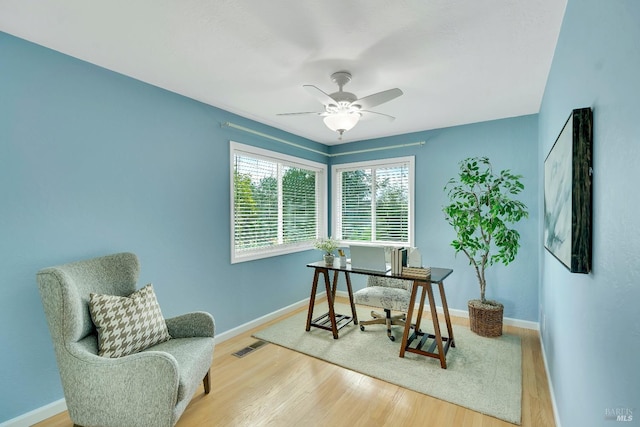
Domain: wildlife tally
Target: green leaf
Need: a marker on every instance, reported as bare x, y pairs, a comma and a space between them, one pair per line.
480, 210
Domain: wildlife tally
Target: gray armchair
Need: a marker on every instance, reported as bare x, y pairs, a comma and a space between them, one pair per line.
148, 388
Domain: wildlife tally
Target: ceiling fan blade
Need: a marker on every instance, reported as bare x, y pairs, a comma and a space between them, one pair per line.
318, 113
377, 98
366, 114
320, 95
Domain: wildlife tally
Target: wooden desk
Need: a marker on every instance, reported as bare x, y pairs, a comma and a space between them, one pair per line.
421, 338
415, 342
330, 321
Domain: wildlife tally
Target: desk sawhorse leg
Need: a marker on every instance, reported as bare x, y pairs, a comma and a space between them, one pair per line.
423, 336
330, 321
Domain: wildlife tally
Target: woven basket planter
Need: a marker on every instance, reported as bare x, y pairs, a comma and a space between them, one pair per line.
485, 319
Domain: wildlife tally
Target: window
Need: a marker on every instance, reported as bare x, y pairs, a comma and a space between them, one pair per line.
373, 201
278, 203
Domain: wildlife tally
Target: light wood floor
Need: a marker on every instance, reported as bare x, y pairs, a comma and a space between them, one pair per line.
274, 386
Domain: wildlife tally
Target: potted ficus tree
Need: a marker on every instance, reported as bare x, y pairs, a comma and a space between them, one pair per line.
481, 209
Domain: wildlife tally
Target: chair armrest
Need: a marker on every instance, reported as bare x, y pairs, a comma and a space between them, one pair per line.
196, 324
147, 381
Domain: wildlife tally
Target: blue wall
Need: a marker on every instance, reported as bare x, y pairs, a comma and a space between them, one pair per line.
92, 162
590, 323
510, 144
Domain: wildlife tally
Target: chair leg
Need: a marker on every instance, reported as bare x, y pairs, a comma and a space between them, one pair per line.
207, 382
376, 318
386, 319
392, 320
388, 322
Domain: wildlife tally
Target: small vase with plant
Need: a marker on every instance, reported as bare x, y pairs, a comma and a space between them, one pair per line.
328, 246
480, 211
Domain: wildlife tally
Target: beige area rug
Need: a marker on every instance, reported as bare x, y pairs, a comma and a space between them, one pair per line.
483, 374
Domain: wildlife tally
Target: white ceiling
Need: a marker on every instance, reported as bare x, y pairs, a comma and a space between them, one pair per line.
457, 61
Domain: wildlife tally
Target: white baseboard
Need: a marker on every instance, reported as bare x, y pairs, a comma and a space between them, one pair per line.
525, 324
556, 415
37, 415
264, 319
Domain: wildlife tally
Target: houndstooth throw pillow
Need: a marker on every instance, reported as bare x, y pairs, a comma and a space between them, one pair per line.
127, 325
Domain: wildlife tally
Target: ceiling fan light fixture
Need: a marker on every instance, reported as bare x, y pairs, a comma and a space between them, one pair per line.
343, 110
341, 122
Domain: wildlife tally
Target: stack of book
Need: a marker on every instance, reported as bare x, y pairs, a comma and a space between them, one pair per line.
398, 260
417, 272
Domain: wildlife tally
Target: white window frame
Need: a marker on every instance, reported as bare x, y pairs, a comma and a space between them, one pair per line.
321, 171
336, 184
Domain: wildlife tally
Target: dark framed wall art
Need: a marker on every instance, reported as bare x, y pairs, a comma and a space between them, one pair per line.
568, 193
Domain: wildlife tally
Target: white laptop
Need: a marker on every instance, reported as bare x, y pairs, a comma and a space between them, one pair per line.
369, 258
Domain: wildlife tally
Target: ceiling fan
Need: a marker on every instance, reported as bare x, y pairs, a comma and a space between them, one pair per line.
343, 110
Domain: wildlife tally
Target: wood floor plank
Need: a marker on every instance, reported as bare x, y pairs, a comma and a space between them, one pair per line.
274, 386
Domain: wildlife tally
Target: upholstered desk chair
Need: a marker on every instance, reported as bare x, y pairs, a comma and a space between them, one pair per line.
151, 387
390, 295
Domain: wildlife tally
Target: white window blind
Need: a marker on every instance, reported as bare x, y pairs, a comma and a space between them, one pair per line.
374, 201
278, 203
